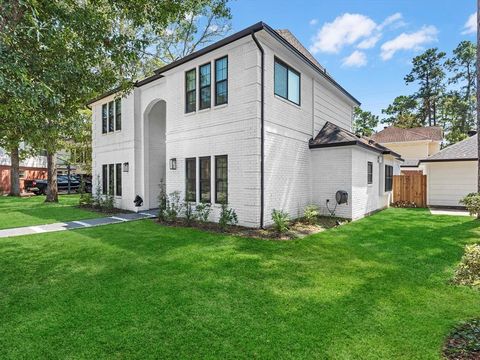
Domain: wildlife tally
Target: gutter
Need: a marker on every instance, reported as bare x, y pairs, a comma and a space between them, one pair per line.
262, 130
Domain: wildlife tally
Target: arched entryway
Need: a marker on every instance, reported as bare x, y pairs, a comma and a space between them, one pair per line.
154, 151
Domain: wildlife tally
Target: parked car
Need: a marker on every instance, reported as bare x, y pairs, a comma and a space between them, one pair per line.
39, 186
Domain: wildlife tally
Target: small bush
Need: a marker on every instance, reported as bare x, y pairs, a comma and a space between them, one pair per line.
404, 204
227, 217
173, 207
98, 198
310, 214
190, 214
203, 211
109, 202
472, 203
468, 271
86, 199
281, 221
162, 201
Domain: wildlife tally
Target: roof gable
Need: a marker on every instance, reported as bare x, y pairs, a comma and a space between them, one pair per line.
464, 150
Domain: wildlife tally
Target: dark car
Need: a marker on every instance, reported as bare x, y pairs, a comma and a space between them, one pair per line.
39, 187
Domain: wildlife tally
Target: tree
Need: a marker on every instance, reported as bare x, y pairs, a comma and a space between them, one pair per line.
428, 72
452, 108
478, 98
402, 113
70, 52
364, 122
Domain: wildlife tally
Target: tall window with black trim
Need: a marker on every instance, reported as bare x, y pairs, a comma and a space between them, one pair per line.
190, 91
118, 114
111, 178
104, 180
118, 179
286, 82
205, 193
104, 118
221, 179
111, 124
369, 172
190, 179
388, 177
205, 86
221, 81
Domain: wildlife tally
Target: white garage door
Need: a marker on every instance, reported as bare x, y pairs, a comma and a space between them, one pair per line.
448, 182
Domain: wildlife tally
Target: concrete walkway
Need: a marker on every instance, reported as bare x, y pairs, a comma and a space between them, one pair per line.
80, 224
446, 211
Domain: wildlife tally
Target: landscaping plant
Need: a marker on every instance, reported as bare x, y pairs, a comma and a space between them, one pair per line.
162, 201
98, 198
472, 203
281, 221
190, 214
468, 271
310, 214
203, 212
228, 216
173, 207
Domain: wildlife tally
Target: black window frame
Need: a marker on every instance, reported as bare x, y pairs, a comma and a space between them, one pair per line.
219, 180
118, 179
193, 91
105, 179
218, 82
369, 172
191, 181
118, 114
111, 116
388, 178
289, 68
205, 184
111, 179
201, 106
104, 118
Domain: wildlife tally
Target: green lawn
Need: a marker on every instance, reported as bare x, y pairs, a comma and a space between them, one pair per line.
373, 289
26, 211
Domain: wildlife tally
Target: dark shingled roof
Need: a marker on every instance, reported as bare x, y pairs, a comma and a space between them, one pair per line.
332, 135
394, 134
462, 151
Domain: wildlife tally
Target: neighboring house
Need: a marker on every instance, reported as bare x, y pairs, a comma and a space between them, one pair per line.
452, 173
413, 144
33, 167
253, 119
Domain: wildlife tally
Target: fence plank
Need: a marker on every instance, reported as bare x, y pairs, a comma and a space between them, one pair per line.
411, 187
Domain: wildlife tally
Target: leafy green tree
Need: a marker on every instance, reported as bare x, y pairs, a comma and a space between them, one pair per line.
428, 72
402, 113
364, 122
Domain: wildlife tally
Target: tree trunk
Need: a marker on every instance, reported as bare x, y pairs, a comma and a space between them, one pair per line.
478, 97
14, 172
52, 191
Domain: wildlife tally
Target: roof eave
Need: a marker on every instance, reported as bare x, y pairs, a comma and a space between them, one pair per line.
447, 160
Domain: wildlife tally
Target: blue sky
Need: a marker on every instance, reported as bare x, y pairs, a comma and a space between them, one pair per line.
367, 45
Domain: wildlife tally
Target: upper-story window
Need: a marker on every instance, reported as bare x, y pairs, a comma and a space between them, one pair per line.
112, 116
221, 81
205, 86
287, 82
369, 172
190, 91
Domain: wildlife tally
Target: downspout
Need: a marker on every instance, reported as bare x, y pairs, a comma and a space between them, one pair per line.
262, 130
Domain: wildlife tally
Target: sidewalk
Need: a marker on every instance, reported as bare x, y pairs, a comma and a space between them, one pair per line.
70, 225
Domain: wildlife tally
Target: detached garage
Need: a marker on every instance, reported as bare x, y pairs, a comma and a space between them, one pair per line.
452, 173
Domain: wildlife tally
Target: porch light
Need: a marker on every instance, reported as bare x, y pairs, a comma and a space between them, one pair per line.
173, 164
125, 167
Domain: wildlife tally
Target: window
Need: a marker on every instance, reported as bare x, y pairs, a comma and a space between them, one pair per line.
205, 86
221, 179
369, 172
104, 179
286, 82
388, 177
221, 81
110, 117
118, 114
21, 174
190, 91
104, 118
111, 177
205, 179
190, 179
118, 179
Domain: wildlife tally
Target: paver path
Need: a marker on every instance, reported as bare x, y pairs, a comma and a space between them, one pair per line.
446, 211
70, 225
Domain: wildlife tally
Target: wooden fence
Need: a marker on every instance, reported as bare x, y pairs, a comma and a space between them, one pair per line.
411, 187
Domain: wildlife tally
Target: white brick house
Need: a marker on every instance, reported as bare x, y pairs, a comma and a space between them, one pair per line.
244, 115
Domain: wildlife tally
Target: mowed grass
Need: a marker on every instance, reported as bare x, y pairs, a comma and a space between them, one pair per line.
26, 211
377, 288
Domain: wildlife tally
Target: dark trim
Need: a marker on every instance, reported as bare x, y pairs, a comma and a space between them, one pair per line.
448, 160
215, 79
187, 91
216, 181
200, 86
262, 130
209, 158
356, 143
276, 59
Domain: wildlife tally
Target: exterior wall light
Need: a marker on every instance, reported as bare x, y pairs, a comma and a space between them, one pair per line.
173, 164
125, 167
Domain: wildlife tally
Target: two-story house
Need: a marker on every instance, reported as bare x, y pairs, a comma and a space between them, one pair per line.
253, 119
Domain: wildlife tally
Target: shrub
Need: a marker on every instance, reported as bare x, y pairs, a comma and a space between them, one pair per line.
173, 207
472, 203
468, 271
108, 203
86, 199
162, 201
98, 198
281, 221
203, 211
227, 217
404, 204
310, 214
190, 214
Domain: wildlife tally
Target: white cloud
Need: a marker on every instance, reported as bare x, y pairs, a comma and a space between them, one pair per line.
313, 22
411, 41
470, 26
395, 20
344, 30
355, 59
370, 42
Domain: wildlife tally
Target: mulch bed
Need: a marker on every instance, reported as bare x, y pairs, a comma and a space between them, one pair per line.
298, 229
464, 342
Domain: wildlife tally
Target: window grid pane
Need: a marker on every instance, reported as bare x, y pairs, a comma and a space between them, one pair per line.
293, 87
104, 179
221, 81
221, 179
110, 117
118, 179
104, 118
111, 175
369, 172
191, 180
118, 114
190, 91
205, 194
281, 80
205, 86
